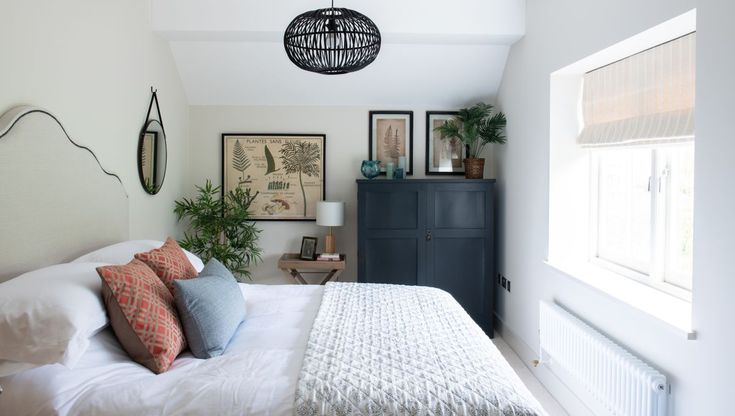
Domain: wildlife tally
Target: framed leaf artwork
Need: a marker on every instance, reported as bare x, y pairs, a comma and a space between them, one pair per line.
391, 136
444, 156
286, 171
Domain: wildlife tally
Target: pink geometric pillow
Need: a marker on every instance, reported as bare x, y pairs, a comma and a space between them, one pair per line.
169, 262
142, 314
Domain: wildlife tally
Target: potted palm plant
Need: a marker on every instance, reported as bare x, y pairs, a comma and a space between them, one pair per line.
221, 227
476, 127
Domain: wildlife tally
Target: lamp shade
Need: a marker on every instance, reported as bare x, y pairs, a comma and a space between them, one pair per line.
330, 214
332, 41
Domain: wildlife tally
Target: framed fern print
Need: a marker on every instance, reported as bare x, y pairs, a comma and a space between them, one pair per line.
443, 156
286, 171
391, 136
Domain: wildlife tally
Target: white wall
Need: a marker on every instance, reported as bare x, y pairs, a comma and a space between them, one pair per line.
347, 145
92, 63
561, 32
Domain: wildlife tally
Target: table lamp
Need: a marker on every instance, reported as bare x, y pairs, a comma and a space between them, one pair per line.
330, 214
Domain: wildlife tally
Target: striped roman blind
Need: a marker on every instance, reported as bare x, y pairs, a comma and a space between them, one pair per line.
646, 98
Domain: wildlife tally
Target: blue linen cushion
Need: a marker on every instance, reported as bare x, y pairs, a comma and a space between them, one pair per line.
211, 308
215, 268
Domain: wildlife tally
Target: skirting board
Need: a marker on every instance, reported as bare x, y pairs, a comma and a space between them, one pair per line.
556, 387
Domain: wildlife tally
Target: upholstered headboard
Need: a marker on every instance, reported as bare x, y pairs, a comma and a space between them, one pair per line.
56, 200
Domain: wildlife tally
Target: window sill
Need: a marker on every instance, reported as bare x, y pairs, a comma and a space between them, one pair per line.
670, 309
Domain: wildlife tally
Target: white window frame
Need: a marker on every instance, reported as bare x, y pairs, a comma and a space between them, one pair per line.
567, 253
659, 188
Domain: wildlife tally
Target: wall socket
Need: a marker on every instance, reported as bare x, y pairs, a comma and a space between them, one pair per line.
504, 282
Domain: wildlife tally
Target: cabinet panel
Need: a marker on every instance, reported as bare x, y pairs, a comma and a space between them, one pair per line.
392, 210
459, 209
457, 265
392, 260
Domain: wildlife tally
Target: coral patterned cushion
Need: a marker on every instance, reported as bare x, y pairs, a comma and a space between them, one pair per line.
142, 314
169, 262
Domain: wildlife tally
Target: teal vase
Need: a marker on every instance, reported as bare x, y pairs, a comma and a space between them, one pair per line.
370, 168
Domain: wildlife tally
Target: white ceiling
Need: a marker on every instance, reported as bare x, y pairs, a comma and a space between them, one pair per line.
434, 53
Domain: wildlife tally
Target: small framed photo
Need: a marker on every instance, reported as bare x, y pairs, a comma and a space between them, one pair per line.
308, 248
444, 156
391, 137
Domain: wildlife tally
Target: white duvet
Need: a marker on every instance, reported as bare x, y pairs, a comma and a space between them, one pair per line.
257, 375
349, 349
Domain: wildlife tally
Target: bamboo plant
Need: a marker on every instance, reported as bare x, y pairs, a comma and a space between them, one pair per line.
221, 228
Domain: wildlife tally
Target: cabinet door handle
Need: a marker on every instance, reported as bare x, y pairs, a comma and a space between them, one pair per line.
428, 236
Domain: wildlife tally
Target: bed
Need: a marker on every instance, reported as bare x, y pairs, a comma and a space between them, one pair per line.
339, 349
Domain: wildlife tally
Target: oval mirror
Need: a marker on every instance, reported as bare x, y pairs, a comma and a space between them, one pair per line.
152, 156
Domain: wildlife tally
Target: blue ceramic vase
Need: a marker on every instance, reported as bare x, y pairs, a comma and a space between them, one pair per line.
370, 168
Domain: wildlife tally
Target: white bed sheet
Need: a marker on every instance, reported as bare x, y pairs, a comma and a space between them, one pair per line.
257, 375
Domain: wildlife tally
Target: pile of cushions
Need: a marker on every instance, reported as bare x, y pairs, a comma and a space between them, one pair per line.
156, 302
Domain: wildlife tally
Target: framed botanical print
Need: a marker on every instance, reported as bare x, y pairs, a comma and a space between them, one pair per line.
391, 137
286, 170
444, 156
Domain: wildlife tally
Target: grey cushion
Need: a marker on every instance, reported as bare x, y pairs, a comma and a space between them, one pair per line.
215, 268
211, 308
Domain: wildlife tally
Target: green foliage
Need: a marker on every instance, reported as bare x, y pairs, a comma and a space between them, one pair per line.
149, 186
221, 228
476, 127
303, 158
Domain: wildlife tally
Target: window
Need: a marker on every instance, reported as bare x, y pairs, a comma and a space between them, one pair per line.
639, 129
642, 213
621, 147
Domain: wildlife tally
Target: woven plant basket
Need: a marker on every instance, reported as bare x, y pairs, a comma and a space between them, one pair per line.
474, 168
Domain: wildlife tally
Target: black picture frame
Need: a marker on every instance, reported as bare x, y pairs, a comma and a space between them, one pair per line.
308, 248
266, 136
429, 154
373, 115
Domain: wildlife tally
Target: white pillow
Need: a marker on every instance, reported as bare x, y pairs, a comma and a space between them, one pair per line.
48, 315
122, 253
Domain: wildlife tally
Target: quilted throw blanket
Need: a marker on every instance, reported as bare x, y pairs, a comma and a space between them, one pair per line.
403, 350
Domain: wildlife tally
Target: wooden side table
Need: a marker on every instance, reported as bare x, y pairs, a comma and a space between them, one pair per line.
292, 264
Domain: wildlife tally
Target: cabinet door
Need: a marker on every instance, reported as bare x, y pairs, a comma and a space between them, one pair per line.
459, 253
391, 222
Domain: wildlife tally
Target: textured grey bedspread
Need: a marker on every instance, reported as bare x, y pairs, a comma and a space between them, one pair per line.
403, 350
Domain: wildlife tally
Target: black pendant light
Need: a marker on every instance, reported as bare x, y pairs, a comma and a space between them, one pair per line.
332, 41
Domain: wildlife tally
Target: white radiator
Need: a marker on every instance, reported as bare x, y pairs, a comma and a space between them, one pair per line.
621, 383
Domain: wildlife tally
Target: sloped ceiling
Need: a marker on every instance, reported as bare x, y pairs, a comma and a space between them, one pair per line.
441, 53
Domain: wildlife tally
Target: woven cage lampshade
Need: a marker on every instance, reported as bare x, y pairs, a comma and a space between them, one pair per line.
332, 41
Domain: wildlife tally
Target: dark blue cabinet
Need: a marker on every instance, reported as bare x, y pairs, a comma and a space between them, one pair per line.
430, 232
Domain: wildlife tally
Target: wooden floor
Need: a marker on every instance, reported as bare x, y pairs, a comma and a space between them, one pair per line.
552, 407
